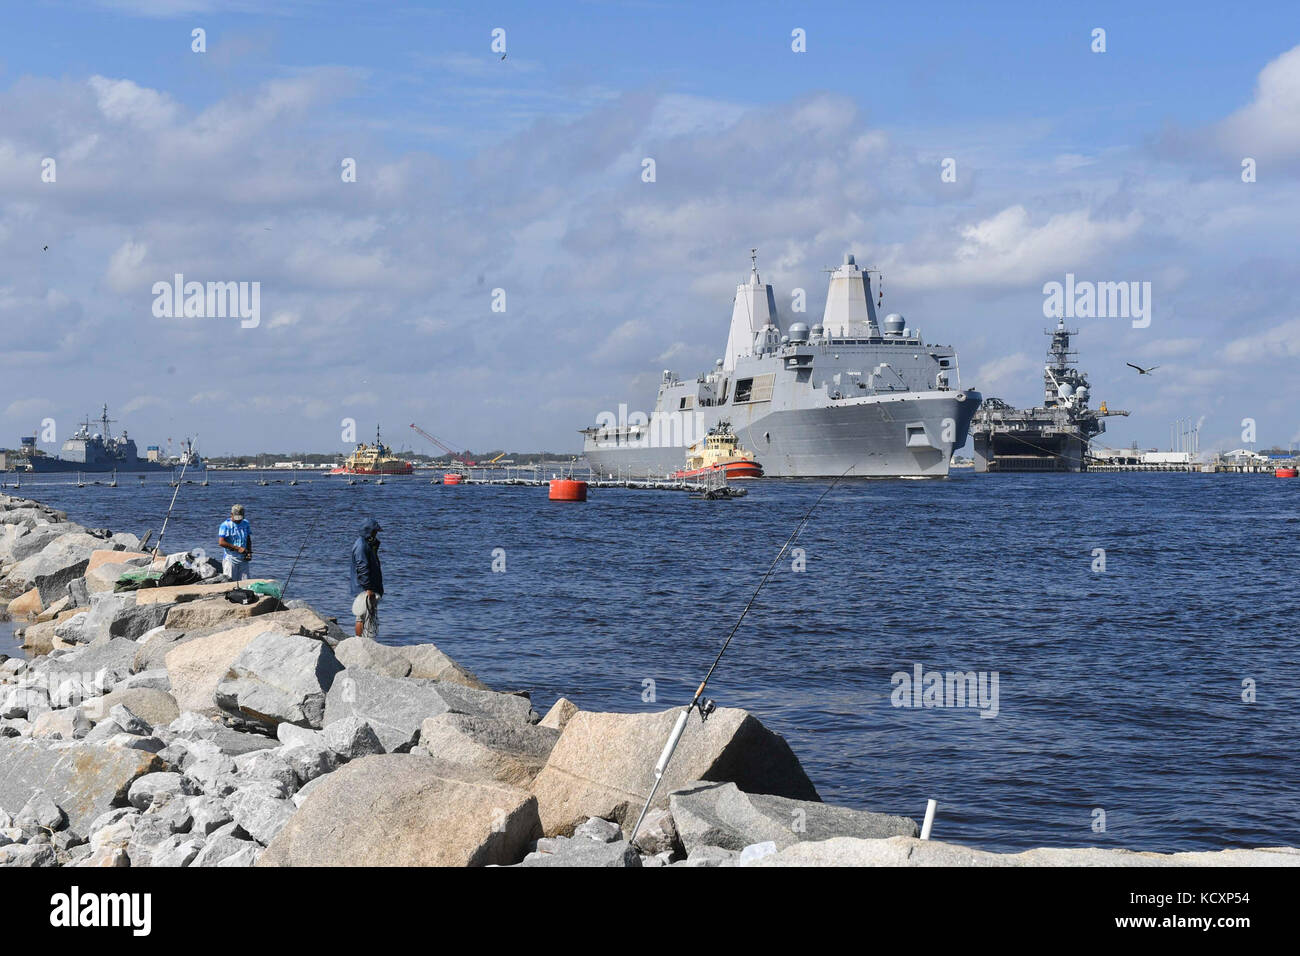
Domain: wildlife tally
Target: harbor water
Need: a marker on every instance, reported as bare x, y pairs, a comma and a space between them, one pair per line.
1120, 719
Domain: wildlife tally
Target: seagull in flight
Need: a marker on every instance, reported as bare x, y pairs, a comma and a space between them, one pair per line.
1141, 370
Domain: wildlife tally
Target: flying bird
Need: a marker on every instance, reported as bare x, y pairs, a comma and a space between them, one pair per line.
45, 249
1141, 370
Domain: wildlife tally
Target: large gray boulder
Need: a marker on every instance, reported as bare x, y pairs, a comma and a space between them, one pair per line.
215, 612
113, 658
59, 562
280, 677
427, 661
400, 810
219, 849
157, 707
85, 780
177, 850
260, 814
361, 653
602, 765
33, 543
198, 729
396, 707
195, 667
564, 852
96, 623
152, 648
507, 751
720, 814
135, 620
9, 535
351, 738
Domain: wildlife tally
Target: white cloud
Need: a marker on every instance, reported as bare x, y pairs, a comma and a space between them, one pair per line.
1269, 126
127, 272
124, 102
141, 402
1008, 249
1004, 374
29, 410
1280, 342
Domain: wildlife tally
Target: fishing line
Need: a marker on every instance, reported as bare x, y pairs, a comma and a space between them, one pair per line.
179, 481
704, 705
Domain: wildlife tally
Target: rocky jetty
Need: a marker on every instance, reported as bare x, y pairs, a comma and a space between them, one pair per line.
168, 726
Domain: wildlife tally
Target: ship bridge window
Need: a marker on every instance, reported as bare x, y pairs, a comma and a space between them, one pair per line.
688, 401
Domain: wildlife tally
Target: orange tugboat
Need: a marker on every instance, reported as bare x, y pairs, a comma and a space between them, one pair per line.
719, 451
376, 459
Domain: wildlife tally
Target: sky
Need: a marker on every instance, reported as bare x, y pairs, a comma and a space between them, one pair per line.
476, 172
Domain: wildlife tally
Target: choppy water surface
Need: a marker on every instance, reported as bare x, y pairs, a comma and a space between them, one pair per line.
1119, 690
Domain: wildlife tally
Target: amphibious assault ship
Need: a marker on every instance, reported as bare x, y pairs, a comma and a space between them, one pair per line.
1051, 437
94, 451
850, 395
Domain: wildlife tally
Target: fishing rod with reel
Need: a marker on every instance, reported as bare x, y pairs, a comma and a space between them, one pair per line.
701, 703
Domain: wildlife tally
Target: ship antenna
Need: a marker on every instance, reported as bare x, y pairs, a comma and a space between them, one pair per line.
701, 702
753, 258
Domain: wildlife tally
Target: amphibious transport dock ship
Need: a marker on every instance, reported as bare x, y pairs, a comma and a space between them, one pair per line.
848, 395
1051, 437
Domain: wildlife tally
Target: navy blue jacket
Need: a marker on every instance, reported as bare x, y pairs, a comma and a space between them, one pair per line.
366, 573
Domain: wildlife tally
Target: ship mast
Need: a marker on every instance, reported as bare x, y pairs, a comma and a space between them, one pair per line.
104, 420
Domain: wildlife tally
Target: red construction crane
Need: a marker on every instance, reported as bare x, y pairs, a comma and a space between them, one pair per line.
455, 455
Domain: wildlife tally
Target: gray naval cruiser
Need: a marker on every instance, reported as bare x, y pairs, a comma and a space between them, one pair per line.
850, 395
92, 450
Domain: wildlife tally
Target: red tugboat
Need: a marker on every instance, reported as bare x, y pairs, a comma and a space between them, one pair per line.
376, 459
719, 451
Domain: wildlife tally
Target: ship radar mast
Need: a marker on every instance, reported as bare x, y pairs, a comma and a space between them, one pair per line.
1062, 380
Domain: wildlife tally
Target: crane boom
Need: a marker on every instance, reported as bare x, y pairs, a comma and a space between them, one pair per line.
458, 456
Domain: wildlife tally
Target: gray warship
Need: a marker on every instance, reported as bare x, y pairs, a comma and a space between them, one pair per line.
1053, 436
850, 395
95, 451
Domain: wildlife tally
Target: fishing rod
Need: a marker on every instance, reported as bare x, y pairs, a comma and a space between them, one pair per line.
289, 577
179, 481
699, 701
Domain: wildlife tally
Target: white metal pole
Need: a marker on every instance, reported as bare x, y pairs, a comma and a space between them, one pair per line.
930, 807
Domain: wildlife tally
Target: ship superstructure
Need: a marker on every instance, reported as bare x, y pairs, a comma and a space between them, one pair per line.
850, 395
1053, 436
376, 459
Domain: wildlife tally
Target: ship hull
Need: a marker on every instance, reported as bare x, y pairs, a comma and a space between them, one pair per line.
734, 470
42, 466
885, 436
394, 470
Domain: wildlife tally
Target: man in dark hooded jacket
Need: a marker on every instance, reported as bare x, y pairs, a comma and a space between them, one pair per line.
367, 580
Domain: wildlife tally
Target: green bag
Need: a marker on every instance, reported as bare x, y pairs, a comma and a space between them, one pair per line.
271, 588
134, 580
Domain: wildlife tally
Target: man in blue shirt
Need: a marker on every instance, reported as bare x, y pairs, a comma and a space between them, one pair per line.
236, 537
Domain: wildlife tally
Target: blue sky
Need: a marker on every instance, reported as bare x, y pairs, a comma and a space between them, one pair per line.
476, 173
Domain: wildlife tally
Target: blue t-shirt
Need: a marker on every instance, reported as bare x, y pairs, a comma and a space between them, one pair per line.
236, 532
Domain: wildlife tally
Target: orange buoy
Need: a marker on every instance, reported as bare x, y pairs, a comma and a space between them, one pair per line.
451, 478
566, 489
1286, 473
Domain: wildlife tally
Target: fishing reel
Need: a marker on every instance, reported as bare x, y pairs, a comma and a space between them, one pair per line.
706, 706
